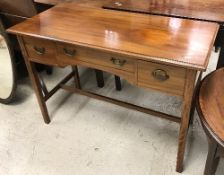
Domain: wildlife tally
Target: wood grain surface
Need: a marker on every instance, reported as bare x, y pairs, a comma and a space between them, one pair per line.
20, 8
52, 2
174, 84
152, 38
209, 10
96, 3
49, 56
211, 103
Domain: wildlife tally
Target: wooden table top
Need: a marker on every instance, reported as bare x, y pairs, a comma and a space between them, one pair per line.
96, 3
208, 10
173, 41
52, 2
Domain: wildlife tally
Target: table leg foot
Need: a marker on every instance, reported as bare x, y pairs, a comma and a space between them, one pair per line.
117, 82
221, 59
76, 77
49, 70
219, 42
36, 82
99, 78
46, 119
179, 169
216, 49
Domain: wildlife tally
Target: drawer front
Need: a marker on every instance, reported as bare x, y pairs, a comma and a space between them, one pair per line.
69, 54
40, 50
161, 77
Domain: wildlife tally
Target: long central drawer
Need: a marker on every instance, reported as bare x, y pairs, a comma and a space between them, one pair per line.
69, 53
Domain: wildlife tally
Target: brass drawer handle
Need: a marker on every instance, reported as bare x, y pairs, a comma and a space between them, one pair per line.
160, 75
39, 50
69, 52
118, 62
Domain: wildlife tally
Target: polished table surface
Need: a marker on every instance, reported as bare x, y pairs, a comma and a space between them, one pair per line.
153, 52
208, 10
169, 40
98, 3
52, 2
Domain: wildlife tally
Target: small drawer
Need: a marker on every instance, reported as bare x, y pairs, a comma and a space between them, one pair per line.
40, 50
69, 54
161, 77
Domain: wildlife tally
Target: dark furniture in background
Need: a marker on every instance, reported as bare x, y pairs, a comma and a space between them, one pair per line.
210, 106
16, 11
12, 13
7, 68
